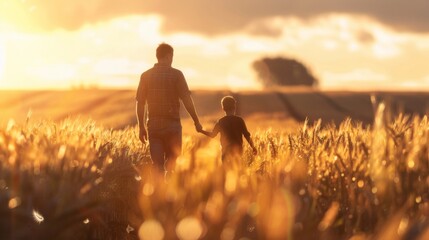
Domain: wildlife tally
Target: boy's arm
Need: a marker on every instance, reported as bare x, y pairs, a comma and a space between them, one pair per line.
248, 138
252, 145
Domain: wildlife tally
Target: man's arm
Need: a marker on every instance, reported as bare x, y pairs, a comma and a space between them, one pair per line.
140, 109
189, 105
185, 95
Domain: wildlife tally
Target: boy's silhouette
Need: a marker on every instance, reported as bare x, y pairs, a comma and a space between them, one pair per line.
231, 129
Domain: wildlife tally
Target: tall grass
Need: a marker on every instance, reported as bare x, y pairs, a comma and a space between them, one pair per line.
74, 180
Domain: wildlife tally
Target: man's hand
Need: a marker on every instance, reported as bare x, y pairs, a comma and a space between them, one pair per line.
143, 135
198, 127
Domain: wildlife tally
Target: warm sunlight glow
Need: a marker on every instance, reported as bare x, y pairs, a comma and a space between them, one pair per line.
341, 50
211, 119
10, 12
387, 44
354, 76
147, 27
2, 60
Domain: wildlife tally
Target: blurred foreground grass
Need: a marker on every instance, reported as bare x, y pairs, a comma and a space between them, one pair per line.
74, 180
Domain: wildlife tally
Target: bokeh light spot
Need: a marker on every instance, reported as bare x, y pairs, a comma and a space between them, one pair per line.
189, 228
151, 230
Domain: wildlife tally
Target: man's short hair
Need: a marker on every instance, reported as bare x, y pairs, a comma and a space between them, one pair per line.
228, 103
163, 50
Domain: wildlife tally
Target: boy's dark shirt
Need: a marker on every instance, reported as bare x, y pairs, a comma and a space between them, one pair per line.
231, 129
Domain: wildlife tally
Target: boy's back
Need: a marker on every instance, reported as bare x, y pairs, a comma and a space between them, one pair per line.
232, 129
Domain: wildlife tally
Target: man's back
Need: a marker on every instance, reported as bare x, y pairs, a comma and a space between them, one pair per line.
162, 86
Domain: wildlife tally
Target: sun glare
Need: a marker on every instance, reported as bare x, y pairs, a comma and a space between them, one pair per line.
148, 28
2, 59
17, 13
114, 52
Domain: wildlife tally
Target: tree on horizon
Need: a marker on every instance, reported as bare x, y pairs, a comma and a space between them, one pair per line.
281, 71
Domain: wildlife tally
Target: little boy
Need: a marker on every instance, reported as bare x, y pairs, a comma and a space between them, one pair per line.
231, 129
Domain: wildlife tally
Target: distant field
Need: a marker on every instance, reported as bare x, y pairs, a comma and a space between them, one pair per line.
262, 109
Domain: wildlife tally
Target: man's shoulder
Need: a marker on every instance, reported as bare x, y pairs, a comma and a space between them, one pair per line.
147, 72
162, 69
177, 71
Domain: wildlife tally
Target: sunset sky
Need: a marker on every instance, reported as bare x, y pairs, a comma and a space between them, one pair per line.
350, 44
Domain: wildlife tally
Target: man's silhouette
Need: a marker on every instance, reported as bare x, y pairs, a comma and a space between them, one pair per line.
161, 87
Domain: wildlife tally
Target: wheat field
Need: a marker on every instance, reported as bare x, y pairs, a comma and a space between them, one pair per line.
76, 180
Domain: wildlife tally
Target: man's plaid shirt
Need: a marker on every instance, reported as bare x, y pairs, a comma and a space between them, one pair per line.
161, 87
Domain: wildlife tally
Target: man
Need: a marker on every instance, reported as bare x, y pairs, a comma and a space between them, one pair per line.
161, 87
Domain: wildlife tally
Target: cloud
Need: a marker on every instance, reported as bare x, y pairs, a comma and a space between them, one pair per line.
208, 16
365, 37
115, 52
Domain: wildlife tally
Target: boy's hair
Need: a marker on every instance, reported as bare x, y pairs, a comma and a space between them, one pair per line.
228, 103
163, 50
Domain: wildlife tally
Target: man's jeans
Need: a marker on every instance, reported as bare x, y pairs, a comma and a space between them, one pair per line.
165, 147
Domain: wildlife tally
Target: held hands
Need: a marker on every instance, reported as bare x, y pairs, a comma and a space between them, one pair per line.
198, 127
